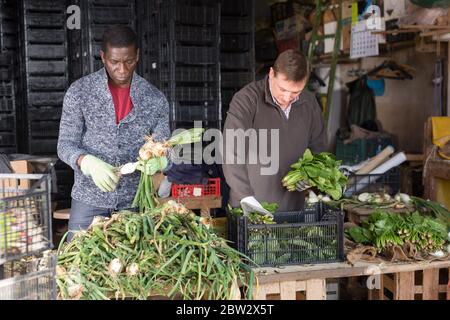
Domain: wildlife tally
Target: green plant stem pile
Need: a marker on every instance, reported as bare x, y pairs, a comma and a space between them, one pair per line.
384, 230
167, 251
321, 171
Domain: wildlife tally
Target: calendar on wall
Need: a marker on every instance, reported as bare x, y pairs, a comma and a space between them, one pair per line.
363, 42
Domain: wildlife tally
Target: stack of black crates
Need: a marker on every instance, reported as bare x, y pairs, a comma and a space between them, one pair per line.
44, 71
237, 47
45, 79
96, 16
8, 76
182, 50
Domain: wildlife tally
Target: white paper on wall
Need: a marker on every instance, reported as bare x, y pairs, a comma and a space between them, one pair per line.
363, 42
394, 9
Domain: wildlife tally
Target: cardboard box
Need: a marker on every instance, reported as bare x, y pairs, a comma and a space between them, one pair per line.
8, 185
289, 28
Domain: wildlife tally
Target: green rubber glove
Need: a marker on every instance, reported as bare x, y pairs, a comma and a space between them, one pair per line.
153, 165
102, 173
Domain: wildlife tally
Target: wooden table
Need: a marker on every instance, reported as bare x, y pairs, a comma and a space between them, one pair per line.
292, 282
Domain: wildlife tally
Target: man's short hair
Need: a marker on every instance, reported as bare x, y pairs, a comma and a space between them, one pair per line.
119, 37
293, 64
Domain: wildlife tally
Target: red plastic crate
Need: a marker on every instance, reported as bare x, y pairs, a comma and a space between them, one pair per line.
212, 188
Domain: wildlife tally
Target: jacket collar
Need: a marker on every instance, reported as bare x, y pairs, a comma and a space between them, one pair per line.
269, 98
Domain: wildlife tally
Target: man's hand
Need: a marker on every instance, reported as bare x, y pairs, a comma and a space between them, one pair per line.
302, 186
153, 165
102, 173
250, 204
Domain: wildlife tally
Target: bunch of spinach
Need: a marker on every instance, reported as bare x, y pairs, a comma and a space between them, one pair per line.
384, 230
320, 170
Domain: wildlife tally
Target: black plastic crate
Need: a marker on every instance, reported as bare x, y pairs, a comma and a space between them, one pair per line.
191, 15
46, 36
236, 25
7, 104
64, 191
227, 95
191, 55
46, 68
236, 79
64, 176
8, 139
46, 20
44, 99
47, 83
312, 235
36, 51
7, 122
389, 182
8, 42
8, 150
43, 146
236, 7
236, 42
5, 61
196, 94
191, 74
360, 149
44, 113
96, 47
196, 113
111, 3
48, 129
97, 65
98, 30
45, 6
392, 25
192, 34
6, 11
6, 89
108, 15
5, 75
235, 60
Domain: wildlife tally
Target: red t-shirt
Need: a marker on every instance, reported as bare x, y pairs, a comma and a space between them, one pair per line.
122, 101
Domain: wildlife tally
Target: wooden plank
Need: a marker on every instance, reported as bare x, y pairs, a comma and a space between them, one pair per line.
339, 270
63, 214
430, 284
377, 294
448, 284
259, 293
389, 283
287, 290
404, 282
414, 157
316, 289
263, 290
202, 202
300, 285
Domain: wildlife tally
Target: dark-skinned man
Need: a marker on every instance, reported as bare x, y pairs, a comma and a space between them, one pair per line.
105, 117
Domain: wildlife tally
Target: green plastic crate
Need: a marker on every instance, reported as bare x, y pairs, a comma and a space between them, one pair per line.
360, 150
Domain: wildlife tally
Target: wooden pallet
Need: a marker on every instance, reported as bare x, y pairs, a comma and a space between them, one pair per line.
429, 279
431, 284
314, 289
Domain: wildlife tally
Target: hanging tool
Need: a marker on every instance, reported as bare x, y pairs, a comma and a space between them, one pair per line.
438, 88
